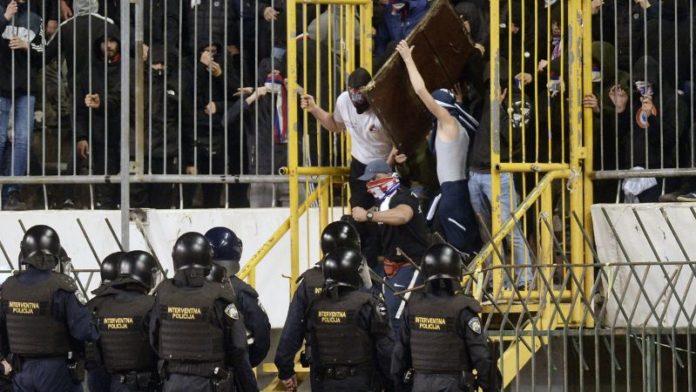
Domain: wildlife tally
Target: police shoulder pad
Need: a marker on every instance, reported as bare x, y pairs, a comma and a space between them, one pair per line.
241, 286
475, 324
466, 301
224, 291
66, 283
232, 312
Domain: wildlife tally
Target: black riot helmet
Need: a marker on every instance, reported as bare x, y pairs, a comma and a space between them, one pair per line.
192, 250
341, 267
138, 266
110, 266
40, 247
227, 248
217, 274
442, 261
339, 234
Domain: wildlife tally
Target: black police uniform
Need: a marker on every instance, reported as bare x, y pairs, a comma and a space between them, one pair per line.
443, 342
39, 318
98, 379
255, 320
227, 250
310, 287
123, 319
198, 336
347, 331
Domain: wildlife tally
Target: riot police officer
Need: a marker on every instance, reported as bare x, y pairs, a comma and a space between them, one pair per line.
123, 317
338, 234
442, 340
195, 326
348, 327
42, 316
98, 379
227, 251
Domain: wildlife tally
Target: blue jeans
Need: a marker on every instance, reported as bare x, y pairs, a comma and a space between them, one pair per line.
13, 159
480, 193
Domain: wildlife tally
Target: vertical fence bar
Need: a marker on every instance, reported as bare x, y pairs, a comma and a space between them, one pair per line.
366, 36
588, 135
494, 65
575, 93
324, 203
292, 144
139, 89
125, 123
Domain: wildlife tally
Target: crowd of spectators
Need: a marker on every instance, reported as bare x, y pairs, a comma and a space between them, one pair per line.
200, 60
216, 101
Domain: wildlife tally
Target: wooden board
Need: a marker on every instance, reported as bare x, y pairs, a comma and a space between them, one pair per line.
442, 49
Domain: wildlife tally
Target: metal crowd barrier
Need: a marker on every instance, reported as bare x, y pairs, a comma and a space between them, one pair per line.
636, 331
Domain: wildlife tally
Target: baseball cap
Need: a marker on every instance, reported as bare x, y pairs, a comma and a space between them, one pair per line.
373, 168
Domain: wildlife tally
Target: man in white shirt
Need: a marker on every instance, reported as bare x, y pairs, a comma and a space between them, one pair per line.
369, 141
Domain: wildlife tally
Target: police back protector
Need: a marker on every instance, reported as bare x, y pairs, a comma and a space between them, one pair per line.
124, 341
339, 339
189, 339
31, 329
435, 345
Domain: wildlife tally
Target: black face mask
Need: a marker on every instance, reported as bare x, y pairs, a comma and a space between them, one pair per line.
359, 101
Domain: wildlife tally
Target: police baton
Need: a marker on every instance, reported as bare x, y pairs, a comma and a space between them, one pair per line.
441, 240
404, 292
410, 260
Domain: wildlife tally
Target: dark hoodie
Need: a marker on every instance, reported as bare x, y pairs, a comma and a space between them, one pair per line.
480, 155
478, 22
105, 81
653, 137
68, 41
161, 109
19, 65
622, 24
209, 88
479, 34
264, 155
520, 47
606, 151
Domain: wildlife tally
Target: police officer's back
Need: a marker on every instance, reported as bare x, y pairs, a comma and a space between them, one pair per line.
352, 338
441, 339
123, 318
227, 251
43, 317
98, 378
195, 326
310, 286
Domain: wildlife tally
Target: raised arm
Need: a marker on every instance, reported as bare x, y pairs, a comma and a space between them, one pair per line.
442, 115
